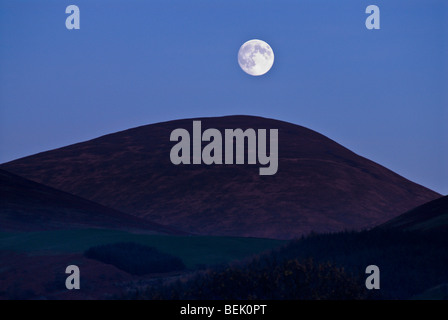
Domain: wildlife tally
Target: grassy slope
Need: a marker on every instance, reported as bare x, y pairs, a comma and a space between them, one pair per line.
193, 250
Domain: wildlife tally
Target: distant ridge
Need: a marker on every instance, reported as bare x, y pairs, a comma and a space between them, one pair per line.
320, 185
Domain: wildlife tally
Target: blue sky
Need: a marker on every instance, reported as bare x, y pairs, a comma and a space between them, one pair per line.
381, 93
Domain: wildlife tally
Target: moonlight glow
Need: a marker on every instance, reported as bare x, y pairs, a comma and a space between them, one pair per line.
255, 57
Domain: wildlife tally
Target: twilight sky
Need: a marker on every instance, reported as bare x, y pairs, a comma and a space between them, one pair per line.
381, 93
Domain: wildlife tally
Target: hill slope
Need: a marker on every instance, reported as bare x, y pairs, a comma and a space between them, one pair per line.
320, 185
431, 216
29, 206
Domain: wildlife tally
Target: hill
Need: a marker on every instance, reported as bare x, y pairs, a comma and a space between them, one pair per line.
320, 185
29, 206
429, 217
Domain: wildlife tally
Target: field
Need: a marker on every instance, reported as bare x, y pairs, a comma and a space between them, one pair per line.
193, 250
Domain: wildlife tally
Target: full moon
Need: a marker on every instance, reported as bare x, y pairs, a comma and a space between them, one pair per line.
255, 57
